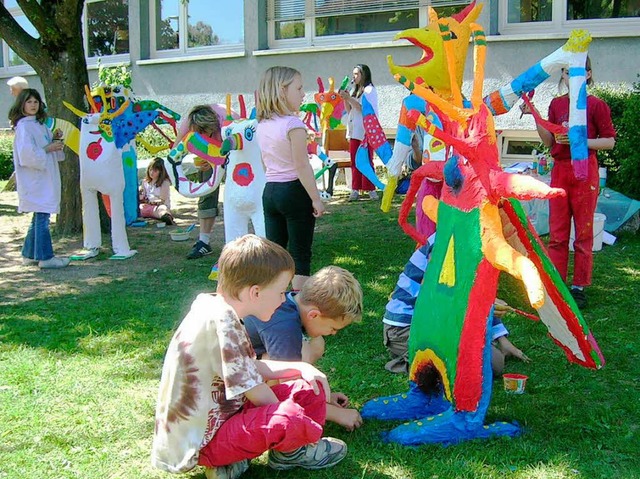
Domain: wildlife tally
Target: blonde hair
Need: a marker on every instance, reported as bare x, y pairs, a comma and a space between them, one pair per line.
251, 260
271, 92
204, 120
335, 292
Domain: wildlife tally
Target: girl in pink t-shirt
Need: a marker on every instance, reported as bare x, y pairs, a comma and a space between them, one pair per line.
291, 199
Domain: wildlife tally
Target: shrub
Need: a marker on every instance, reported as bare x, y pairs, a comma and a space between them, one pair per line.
623, 162
6, 155
156, 139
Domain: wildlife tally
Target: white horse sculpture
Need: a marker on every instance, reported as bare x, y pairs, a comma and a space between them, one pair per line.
245, 180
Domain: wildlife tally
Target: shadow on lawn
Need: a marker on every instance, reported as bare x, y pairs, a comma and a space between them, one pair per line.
99, 307
8, 210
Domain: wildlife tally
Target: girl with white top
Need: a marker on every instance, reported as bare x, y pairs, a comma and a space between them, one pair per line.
154, 193
36, 153
291, 199
355, 127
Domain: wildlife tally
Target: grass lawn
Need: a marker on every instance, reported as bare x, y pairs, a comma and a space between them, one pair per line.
81, 353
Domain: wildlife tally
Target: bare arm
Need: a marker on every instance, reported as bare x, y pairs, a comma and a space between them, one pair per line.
350, 102
545, 135
601, 143
298, 138
313, 349
261, 395
288, 369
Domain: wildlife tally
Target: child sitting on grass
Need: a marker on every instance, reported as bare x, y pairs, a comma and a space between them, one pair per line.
155, 193
399, 313
214, 408
329, 301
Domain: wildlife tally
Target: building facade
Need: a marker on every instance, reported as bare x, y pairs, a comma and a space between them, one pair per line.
186, 52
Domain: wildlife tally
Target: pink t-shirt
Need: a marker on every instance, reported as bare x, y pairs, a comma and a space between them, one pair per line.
276, 147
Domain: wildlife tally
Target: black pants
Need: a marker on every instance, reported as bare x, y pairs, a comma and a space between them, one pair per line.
289, 221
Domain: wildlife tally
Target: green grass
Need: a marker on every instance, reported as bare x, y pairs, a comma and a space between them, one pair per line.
80, 365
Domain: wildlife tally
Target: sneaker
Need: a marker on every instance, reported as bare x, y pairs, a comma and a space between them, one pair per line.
579, 297
354, 196
232, 471
373, 195
29, 261
54, 263
199, 250
326, 452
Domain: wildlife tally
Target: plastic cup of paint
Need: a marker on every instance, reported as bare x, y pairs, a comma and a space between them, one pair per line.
161, 225
514, 383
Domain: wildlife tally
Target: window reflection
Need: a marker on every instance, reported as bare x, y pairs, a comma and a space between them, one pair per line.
107, 27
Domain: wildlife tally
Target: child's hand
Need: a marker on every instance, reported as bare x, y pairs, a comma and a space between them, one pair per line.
318, 208
314, 376
508, 349
54, 146
500, 308
339, 399
350, 419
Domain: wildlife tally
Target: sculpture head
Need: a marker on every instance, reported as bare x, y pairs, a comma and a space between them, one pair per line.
432, 70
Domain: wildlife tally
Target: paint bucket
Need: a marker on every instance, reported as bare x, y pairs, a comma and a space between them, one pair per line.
598, 232
180, 235
514, 383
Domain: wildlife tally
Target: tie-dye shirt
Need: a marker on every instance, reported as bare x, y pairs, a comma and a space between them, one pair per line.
209, 365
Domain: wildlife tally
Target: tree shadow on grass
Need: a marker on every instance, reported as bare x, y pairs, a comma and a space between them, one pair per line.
8, 210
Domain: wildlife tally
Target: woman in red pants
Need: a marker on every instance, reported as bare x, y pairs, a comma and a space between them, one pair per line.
582, 195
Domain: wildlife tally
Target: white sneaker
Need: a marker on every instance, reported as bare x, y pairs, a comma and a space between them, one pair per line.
54, 263
232, 471
28, 261
373, 195
354, 196
327, 452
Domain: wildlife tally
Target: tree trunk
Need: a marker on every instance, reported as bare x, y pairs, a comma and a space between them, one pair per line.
58, 58
65, 82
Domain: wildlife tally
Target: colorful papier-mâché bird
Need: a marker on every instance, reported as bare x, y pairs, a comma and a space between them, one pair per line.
481, 230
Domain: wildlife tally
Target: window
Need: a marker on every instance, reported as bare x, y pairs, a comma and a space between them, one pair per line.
517, 145
106, 27
330, 22
208, 29
10, 59
106, 31
561, 16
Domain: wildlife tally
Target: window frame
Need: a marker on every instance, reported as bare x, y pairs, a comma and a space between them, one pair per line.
311, 40
104, 59
5, 67
559, 24
183, 50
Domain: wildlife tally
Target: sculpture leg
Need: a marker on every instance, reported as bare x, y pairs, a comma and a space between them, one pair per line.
236, 224
449, 427
119, 240
410, 405
257, 219
91, 219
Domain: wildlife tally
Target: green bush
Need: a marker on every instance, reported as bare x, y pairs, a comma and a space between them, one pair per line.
623, 162
6, 155
153, 137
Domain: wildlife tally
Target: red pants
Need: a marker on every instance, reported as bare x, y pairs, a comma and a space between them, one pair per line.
358, 180
580, 203
293, 422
